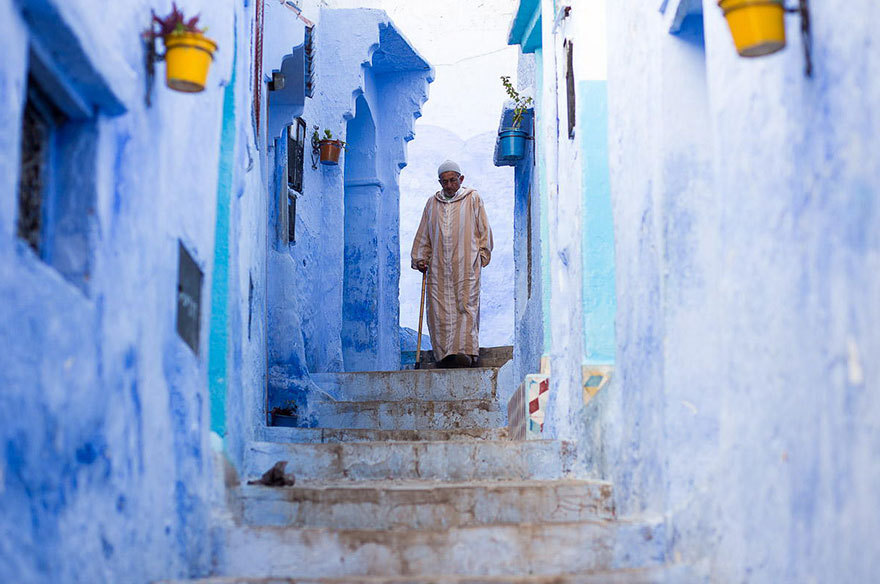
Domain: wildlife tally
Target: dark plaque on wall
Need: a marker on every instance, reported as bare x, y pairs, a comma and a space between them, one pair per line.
189, 299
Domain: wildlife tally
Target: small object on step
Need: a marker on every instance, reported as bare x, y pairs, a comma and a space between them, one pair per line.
275, 477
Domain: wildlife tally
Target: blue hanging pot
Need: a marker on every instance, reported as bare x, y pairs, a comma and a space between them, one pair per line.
513, 144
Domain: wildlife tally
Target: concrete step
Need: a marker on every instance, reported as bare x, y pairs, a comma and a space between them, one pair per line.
495, 550
425, 504
407, 414
666, 574
428, 384
317, 435
489, 357
440, 461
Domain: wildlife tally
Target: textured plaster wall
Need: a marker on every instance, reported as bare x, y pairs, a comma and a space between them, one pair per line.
747, 254
104, 456
528, 218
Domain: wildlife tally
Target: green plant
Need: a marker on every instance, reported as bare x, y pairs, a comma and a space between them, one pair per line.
173, 23
328, 136
520, 103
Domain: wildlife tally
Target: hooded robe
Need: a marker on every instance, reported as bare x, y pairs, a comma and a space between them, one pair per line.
455, 239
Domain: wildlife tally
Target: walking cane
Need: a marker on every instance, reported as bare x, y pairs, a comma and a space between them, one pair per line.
421, 315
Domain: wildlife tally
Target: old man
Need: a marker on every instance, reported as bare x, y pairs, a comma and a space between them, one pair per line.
453, 244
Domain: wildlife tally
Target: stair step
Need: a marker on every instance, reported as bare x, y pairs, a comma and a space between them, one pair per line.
317, 435
441, 461
426, 505
667, 574
495, 550
489, 357
407, 414
427, 384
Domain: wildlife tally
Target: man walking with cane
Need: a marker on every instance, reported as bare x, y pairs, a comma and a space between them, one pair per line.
452, 245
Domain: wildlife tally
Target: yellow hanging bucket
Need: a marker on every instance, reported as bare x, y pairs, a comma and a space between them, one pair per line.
188, 56
757, 26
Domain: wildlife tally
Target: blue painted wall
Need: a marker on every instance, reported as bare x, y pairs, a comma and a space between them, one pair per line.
107, 458
744, 401
104, 422
597, 247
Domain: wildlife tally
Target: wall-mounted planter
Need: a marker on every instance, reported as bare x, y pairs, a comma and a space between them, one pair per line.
188, 57
757, 26
330, 150
512, 144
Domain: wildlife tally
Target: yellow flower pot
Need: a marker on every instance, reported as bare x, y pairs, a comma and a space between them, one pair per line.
188, 56
757, 26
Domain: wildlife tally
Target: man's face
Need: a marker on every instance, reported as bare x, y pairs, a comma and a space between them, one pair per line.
451, 182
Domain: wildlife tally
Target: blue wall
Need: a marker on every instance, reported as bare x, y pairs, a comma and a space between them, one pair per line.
107, 458
104, 423
597, 247
744, 401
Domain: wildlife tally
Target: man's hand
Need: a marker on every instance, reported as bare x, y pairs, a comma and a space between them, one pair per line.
422, 266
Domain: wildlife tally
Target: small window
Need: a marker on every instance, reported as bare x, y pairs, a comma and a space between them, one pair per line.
309, 68
38, 126
569, 86
291, 218
529, 242
296, 142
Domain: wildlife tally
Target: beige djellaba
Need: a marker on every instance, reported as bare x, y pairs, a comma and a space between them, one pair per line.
455, 239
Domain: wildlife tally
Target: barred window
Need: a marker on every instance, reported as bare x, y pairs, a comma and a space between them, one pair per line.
38, 123
569, 86
296, 142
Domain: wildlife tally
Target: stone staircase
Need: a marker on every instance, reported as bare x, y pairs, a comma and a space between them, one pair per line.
409, 478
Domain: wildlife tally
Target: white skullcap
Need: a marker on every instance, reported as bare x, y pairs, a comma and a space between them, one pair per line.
448, 166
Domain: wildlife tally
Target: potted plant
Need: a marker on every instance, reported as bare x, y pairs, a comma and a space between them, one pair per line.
329, 146
513, 138
188, 52
757, 26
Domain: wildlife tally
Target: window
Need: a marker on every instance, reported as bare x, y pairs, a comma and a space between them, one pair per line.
309, 69
529, 242
56, 185
291, 218
38, 124
569, 86
296, 142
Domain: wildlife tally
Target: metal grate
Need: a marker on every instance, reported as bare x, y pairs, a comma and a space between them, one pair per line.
296, 143
569, 86
258, 65
36, 131
310, 60
529, 242
291, 219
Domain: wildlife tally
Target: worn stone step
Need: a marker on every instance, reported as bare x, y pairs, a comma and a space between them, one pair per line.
443, 461
425, 504
495, 550
313, 435
666, 574
407, 414
489, 357
428, 384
